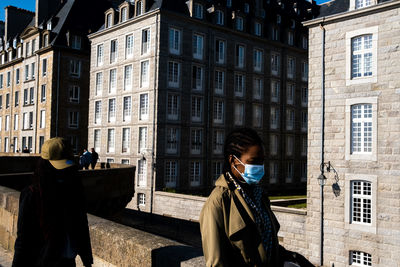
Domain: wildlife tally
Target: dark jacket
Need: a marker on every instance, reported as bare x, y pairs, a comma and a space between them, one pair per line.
52, 211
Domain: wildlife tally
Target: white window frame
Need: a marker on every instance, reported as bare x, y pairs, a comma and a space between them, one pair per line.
370, 156
218, 141
197, 108
275, 91
99, 83
144, 73
97, 112
128, 75
290, 119
100, 54
257, 28
257, 115
360, 258
198, 46
175, 40
197, 77
74, 93
275, 64
174, 74
219, 82
275, 117
145, 41
195, 173
126, 108
97, 139
240, 85
42, 123
239, 22
220, 51
126, 140
73, 119
142, 139
196, 141
374, 50
142, 173
219, 17
258, 88
112, 84
198, 10
173, 106
171, 173
240, 56
112, 110
172, 140
366, 3
218, 111
144, 107
239, 114
75, 68
290, 91
291, 67
129, 45
141, 199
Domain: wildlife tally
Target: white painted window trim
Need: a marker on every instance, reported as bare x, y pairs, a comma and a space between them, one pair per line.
373, 179
349, 36
353, 4
364, 156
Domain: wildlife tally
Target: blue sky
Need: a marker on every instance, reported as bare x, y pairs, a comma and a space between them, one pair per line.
30, 5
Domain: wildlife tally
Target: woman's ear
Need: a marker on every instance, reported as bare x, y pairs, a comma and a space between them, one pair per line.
231, 160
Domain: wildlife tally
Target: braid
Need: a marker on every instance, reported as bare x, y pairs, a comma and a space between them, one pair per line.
237, 142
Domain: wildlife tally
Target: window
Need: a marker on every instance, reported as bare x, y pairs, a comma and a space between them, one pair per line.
27, 49
112, 87
219, 17
73, 119
197, 108
239, 114
33, 46
1, 81
96, 140
1, 124
304, 97
129, 46
289, 172
144, 74
17, 78
127, 108
33, 70
174, 41
361, 128
274, 118
275, 91
26, 73
229, 3
16, 99
144, 107
304, 71
198, 46
290, 88
173, 74
257, 116
303, 177
289, 119
289, 145
109, 20
6, 145
15, 142
275, 64
304, 146
171, 173
113, 51
75, 68
100, 54
362, 3
43, 93
172, 141
257, 28
97, 112
196, 140
304, 121
240, 56
76, 42
42, 123
218, 141
128, 77
15, 122
141, 199
139, 8
275, 33
31, 95
197, 77
274, 169
145, 41
142, 179
25, 97
198, 11
273, 144
361, 59
278, 19
246, 8
173, 107
239, 23
304, 42
8, 79
359, 258
361, 198
195, 173
111, 141
7, 100
258, 60
126, 140
142, 139
239, 84
291, 68
217, 169
99, 83
220, 51
290, 37
219, 84
125, 161
110, 160
74, 92
124, 14
258, 87
218, 111
7, 123
111, 110
45, 41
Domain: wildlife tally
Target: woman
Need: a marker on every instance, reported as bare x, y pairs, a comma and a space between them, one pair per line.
237, 225
52, 223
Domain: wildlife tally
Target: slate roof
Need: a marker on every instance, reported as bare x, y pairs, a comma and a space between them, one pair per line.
337, 6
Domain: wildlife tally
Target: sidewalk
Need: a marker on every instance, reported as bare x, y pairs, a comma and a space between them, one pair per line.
5, 257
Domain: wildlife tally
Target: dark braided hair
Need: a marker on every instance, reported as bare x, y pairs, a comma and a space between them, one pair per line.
237, 142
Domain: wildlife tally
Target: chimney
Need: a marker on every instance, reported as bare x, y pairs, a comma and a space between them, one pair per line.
16, 20
45, 9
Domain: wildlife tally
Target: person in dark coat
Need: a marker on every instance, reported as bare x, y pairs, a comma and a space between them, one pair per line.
52, 222
95, 158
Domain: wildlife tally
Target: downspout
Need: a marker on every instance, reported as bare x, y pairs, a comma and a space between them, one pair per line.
58, 91
208, 135
154, 115
37, 101
321, 177
11, 99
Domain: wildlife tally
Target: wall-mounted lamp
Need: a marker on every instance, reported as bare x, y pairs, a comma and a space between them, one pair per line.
322, 179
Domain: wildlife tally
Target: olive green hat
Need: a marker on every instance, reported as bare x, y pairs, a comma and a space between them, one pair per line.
56, 151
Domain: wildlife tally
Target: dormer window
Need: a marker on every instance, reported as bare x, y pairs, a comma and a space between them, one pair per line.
76, 42
139, 8
228, 3
246, 8
49, 26
124, 14
45, 40
239, 23
257, 28
109, 19
363, 3
220, 17
19, 53
10, 55
198, 11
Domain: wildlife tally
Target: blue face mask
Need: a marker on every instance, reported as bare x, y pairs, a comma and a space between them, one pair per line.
252, 173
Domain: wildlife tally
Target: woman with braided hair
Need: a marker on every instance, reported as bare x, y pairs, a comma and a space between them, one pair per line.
238, 227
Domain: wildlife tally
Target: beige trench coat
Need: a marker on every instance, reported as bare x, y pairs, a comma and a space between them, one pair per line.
229, 233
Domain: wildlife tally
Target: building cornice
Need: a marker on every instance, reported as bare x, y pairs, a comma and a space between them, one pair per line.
352, 14
10, 63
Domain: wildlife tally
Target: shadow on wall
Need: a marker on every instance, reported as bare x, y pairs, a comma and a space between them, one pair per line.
176, 256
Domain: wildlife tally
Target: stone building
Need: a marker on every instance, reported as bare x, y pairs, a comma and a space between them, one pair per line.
44, 88
169, 79
360, 40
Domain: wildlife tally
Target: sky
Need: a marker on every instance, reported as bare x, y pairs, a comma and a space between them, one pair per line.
30, 5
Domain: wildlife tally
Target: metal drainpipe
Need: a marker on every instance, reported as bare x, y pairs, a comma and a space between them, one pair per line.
37, 102
322, 145
154, 115
58, 91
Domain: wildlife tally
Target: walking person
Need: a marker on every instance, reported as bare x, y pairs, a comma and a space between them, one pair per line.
52, 224
238, 227
95, 158
86, 159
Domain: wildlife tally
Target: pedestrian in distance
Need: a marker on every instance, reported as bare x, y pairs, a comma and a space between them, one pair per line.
52, 224
238, 227
86, 159
95, 158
